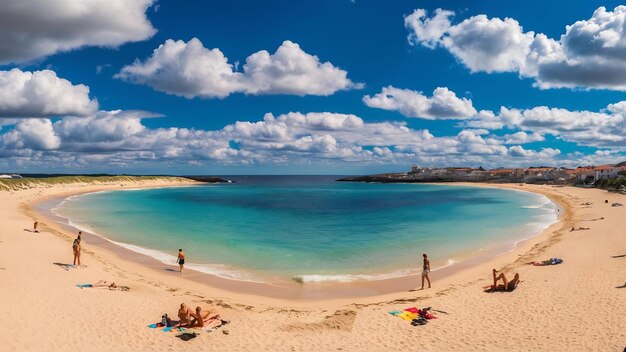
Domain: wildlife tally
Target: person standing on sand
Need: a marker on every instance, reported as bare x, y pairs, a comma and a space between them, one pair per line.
425, 270
181, 260
76, 248
35, 226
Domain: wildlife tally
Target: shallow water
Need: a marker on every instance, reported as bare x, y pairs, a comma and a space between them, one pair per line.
266, 228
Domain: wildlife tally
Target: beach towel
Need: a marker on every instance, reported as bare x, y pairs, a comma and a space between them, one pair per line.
412, 310
395, 312
84, 285
407, 315
155, 325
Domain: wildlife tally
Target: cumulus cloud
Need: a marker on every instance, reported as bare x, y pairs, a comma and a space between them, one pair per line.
35, 134
590, 54
41, 94
120, 138
444, 104
190, 70
518, 151
33, 29
606, 128
522, 137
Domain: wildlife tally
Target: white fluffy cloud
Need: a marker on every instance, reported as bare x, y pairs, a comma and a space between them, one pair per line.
595, 129
41, 94
32, 29
35, 134
444, 104
522, 137
190, 70
120, 138
590, 54
518, 151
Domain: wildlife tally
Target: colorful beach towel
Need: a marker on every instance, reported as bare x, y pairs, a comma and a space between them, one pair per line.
407, 315
412, 314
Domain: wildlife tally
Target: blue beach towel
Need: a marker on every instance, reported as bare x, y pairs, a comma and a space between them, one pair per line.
395, 312
152, 326
84, 285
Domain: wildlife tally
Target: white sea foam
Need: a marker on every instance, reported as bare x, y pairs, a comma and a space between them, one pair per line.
344, 278
218, 270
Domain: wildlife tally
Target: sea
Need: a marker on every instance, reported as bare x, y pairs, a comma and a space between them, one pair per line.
311, 229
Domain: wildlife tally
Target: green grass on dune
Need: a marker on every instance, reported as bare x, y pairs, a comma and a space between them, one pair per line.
26, 183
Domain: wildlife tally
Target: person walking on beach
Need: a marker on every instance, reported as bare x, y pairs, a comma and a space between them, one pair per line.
425, 270
76, 248
181, 260
35, 226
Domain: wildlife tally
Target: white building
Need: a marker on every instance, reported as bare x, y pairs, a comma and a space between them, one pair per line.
606, 172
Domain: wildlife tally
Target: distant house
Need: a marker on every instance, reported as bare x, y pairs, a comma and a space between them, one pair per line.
539, 171
606, 172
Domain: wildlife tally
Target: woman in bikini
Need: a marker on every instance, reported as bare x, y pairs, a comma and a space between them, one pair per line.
76, 248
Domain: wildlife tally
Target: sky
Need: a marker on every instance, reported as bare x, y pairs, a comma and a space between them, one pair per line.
309, 87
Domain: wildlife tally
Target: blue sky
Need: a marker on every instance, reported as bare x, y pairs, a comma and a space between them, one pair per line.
331, 128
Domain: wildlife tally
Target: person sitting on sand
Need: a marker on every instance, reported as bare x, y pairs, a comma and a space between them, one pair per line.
202, 319
35, 224
184, 313
508, 285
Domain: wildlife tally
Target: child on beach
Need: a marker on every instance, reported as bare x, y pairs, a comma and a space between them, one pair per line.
35, 226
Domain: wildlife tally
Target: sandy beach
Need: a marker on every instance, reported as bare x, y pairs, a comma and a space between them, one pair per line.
575, 306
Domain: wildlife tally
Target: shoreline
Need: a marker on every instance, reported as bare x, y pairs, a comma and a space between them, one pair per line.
287, 289
543, 314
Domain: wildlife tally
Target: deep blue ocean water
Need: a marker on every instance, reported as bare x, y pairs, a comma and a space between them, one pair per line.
263, 228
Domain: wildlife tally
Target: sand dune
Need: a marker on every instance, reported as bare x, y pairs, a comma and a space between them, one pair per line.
575, 306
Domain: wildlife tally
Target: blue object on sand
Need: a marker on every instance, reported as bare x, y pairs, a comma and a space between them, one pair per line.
84, 285
168, 329
152, 326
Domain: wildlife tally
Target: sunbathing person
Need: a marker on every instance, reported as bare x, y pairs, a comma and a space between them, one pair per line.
551, 261
103, 283
202, 319
507, 286
184, 314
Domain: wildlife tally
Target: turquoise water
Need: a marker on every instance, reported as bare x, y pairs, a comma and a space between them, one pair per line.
271, 228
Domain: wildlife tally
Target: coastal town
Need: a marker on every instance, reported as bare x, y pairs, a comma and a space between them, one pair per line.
588, 176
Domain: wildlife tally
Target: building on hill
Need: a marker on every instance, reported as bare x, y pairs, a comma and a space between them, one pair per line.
606, 172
